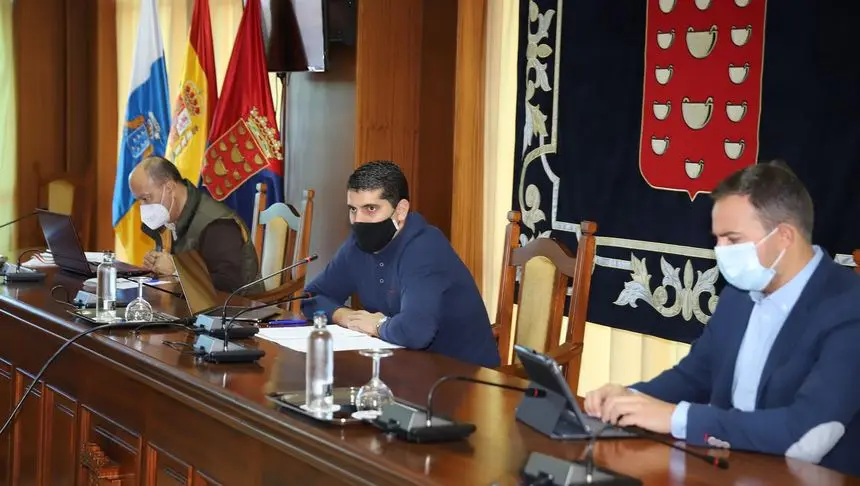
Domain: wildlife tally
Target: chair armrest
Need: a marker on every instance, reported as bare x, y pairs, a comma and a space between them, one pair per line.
562, 355
565, 353
515, 369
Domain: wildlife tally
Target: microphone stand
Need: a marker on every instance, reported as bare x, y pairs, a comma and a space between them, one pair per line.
231, 322
409, 423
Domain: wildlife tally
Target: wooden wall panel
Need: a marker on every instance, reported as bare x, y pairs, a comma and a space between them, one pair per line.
40, 56
55, 61
387, 82
106, 122
431, 185
468, 185
406, 56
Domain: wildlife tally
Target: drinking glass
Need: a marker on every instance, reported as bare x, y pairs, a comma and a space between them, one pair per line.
139, 310
374, 394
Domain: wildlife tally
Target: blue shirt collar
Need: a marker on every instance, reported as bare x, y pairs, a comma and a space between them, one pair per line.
786, 296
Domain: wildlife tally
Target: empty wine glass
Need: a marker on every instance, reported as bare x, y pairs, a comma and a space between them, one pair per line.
139, 310
374, 394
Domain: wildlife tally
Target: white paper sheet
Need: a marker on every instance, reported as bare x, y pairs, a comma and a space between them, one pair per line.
296, 338
121, 283
45, 259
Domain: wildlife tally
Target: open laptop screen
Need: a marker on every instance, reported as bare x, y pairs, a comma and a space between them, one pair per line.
63, 241
200, 293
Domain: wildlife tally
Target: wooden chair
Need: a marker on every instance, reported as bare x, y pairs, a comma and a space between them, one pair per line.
857, 261
282, 234
547, 268
66, 193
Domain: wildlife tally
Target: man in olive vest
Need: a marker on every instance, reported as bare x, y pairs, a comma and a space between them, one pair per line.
196, 222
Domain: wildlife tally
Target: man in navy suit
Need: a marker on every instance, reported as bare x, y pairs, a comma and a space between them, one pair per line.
775, 369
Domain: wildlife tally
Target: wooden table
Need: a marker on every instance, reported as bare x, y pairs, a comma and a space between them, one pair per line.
120, 408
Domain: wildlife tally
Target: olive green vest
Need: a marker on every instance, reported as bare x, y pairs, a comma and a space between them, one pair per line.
200, 210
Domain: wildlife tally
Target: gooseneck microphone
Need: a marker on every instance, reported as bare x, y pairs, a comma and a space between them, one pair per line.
303, 261
532, 392
19, 273
20, 218
214, 350
232, 321
408, 422
717, 462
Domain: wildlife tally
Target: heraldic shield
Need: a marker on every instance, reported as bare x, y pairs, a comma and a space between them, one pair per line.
702, 92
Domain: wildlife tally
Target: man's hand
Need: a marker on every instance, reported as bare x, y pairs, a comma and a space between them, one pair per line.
363, 321
595, 399
159, 262
341, 315
640, 410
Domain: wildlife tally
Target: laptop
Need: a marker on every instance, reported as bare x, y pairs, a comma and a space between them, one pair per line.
200, 297
572, 423
200, 293
67, 251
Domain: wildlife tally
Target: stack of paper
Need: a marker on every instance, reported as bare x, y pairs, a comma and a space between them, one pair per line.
296, 338
45, 259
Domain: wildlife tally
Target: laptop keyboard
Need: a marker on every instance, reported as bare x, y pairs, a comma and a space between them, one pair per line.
569, 427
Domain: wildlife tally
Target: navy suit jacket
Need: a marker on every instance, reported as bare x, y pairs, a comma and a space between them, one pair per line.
808, 398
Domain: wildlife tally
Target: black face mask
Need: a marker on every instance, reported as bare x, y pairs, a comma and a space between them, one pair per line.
372, 237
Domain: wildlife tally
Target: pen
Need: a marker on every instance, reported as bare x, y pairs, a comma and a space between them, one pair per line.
287, 322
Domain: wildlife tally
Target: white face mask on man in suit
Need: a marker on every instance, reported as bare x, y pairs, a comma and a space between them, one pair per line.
740, 265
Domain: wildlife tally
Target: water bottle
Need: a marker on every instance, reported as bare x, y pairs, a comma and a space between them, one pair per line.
106, 289
319, 368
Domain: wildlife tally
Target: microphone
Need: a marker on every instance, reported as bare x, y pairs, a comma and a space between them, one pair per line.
717, 462
531, 392
21, 218
548, 470
210, 322
232, 321
18, 273
4, 259
214, 350
409, 423
303, 261
154, 234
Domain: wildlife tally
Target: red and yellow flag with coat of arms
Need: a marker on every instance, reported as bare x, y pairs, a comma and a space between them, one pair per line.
244, 138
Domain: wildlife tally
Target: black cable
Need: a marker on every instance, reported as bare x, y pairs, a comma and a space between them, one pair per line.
53, 358
67, 300
180, 323
177, 345
25, 252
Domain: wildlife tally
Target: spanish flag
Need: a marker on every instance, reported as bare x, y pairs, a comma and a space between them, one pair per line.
147, 122
245, 145
198, 95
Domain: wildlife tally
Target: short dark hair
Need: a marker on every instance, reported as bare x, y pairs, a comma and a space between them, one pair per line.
775, 192
161, 170
380, 174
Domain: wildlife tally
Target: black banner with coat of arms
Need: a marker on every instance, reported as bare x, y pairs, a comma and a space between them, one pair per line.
630, 112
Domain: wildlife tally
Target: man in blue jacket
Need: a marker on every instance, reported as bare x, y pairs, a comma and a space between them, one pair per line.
775, 369
415, 290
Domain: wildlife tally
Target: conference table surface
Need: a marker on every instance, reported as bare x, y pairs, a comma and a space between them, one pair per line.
494, 454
